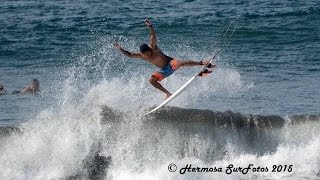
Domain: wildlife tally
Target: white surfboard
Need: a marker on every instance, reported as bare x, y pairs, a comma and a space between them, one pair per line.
175, 94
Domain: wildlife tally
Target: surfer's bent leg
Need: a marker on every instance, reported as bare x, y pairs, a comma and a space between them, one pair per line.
154, 81
164, 72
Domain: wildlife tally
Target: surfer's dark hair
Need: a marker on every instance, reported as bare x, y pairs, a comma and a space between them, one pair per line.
144, 48
36, 82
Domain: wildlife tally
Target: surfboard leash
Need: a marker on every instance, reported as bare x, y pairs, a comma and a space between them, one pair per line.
227, 35
231, 26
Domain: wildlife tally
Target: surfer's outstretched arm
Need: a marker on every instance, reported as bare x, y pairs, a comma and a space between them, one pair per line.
153, 39
196, 63
191, 63
125, 52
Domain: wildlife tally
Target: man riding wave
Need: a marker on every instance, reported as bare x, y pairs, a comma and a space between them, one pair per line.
155, 56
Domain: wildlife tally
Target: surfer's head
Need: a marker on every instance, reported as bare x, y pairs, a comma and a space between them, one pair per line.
35, 84
145, 49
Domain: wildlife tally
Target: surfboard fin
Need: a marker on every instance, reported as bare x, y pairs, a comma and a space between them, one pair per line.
210, 65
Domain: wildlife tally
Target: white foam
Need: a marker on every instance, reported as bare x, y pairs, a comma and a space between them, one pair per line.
54, 144
305, 161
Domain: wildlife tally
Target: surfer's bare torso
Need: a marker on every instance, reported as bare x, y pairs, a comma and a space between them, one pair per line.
157, 58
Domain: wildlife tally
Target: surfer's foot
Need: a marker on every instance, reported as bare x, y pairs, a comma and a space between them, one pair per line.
167, 96
205, 73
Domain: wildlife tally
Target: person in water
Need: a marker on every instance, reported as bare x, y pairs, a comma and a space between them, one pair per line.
2, 90
33, 88
155, 56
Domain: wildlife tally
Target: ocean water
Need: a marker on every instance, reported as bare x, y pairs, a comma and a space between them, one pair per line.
260, 106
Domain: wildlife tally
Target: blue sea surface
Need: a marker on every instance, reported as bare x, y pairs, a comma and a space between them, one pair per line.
270, 66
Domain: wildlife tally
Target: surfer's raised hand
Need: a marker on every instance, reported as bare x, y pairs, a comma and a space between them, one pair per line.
148, 23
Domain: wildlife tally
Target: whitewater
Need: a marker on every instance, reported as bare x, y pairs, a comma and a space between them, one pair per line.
255, 117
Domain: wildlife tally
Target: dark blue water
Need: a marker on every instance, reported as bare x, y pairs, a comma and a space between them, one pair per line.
271, 66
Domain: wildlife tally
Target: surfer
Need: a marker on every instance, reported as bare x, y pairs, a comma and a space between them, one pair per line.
2, 90
33, 88
155, 56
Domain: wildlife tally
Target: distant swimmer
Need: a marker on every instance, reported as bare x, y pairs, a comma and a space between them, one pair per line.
155, 56
33, 88
2, 90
